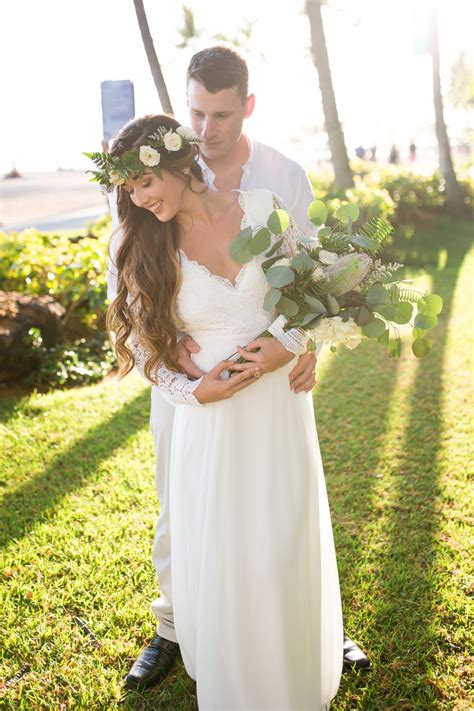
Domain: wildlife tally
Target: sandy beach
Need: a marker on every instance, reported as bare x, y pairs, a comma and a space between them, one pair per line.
56, 200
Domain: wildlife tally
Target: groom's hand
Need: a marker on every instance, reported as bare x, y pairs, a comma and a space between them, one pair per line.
267, 352
184, 348
302, 377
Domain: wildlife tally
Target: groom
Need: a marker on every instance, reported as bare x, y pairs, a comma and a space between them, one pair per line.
219, 103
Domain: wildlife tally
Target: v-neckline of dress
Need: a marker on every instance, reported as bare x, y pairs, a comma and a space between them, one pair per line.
218, 277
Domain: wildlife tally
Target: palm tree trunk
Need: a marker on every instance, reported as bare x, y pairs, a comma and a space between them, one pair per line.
157, 74
340, 161
454, 194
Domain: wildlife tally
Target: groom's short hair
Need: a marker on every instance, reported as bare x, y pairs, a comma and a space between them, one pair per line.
218, 68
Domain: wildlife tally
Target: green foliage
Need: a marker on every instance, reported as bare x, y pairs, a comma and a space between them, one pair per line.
278, 222
380, 191
378, 230
372, 201
72, 270
334, 241
65, 365
189, 32
317, 212
240, 246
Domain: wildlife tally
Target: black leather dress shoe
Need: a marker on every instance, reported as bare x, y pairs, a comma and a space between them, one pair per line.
354, 657
153, 664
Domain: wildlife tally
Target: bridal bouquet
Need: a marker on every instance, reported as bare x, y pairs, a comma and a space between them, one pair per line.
336, 286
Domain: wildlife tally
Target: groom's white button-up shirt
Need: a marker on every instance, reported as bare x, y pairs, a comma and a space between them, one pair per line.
266, 168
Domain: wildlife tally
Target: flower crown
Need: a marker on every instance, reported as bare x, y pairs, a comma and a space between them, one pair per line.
113, 171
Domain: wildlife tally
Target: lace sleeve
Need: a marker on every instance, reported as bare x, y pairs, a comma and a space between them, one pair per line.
295, 340
176, 388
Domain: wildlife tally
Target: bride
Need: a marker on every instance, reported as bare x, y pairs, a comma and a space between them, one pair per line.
255, 584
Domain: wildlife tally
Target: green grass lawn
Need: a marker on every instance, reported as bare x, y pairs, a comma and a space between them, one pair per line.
78, 510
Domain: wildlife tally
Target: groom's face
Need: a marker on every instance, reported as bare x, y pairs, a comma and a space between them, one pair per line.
217, 118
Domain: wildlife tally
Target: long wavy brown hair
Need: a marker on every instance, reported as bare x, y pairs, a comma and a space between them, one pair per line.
147, 260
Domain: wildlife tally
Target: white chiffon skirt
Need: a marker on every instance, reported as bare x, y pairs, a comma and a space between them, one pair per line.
255, 585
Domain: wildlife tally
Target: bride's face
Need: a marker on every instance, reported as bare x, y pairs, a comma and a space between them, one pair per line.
161, 196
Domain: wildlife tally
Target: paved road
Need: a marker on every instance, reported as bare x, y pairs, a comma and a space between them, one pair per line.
50, 201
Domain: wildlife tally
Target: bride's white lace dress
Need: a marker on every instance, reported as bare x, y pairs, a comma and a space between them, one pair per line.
255, 586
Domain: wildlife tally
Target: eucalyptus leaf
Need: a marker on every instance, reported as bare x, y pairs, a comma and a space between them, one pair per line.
384, 338
377, 294
268, 262
425, 321
275, 247
364, 242
239, 250
374, 328
403, 312
333, 305
278, 222
280, 276
317, 212
302, 262
260, 241
272, 297
287, 307
316, 305
431, 305
347, 212
387, 311
421, 347
245, 234
363, 316
308, 318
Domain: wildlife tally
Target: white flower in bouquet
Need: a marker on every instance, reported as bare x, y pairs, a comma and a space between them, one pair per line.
172, 141
149, 156
327, 257
332, 331
318, 272
185, 132
116, 178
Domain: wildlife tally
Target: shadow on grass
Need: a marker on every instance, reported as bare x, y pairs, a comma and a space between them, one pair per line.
352, 427
35, 500
407, 578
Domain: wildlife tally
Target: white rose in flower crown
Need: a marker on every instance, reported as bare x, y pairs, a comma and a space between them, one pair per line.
185, 132
172, 141
333, 331
116, 178
149, 156
327, 257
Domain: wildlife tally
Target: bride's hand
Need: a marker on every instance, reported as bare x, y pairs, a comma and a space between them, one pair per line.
213, 388
267, 353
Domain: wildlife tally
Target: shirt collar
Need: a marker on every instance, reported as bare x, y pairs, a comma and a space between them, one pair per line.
246, 166
209, 174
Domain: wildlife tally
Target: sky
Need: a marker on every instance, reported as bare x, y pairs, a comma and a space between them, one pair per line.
55, 53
